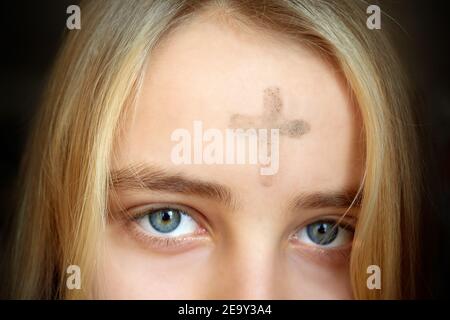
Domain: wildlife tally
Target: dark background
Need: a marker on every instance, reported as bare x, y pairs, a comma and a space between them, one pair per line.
33, 30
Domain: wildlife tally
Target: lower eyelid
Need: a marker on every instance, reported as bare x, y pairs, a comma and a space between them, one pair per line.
165, 244
333, 255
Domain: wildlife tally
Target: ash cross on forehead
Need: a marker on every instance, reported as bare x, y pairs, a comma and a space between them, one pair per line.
271, 117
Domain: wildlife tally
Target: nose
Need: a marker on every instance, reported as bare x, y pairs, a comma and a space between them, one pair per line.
249, 269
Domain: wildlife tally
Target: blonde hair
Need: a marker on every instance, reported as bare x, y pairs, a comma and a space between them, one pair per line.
96, 78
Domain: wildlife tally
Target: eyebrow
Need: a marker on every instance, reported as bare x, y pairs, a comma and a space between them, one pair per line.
138, 177
157, 179
335, 199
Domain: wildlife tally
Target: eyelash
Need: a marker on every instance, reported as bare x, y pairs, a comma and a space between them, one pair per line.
173, 243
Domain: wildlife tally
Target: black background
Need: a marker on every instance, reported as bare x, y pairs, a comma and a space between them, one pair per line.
33, 30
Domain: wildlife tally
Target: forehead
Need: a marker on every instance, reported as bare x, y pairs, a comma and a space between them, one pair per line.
209, 71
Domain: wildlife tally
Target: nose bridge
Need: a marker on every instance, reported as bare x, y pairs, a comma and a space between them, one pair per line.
248, 268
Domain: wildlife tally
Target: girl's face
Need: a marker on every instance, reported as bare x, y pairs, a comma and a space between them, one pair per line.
203, 225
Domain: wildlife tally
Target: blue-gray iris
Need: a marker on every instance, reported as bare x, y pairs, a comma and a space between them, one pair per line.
165, 220
322, 232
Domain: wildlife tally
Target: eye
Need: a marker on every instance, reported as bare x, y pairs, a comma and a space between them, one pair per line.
325, 233
168, 222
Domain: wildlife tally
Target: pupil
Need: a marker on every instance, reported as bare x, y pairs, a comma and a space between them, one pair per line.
165, 216
322, 228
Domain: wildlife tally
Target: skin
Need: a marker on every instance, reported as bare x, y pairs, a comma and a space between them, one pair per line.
212, 71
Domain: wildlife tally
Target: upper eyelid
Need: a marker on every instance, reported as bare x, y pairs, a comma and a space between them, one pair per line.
141, 210
150, 209
335, 218
197, 216
136, 212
